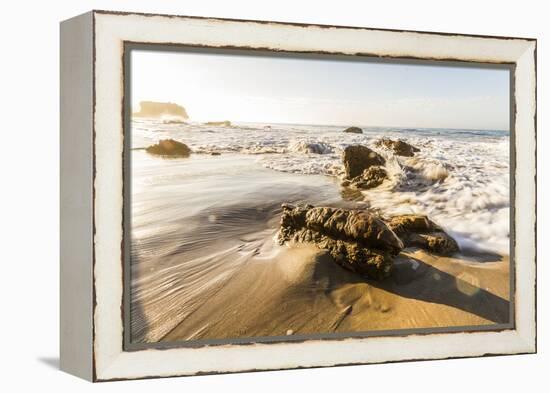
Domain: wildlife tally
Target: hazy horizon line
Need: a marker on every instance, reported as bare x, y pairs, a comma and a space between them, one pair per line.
351, 124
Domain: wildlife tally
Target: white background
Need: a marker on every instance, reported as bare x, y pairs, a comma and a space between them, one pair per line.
29, 208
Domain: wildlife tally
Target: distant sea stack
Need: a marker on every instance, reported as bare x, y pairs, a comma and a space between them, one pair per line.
158, 110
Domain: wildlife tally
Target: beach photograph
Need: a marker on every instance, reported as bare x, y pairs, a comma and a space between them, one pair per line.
286, 196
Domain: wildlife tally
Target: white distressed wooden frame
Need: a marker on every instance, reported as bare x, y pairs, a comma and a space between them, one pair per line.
92, 194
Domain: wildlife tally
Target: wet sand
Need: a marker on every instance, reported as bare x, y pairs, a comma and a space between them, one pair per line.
302, 291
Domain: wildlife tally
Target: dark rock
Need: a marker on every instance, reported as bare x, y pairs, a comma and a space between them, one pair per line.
169, 147
437, 242
354, 130
215, 153
356, 239
361, 241
357, 158
399, 147
370, 178
419, 231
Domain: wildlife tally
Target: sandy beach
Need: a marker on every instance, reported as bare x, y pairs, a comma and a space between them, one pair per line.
302, 291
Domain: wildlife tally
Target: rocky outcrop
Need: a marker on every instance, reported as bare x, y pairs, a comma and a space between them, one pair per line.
353, 130
155, 110
357, 240
169, 148
370, 178
419, 231
357, 158
398, 147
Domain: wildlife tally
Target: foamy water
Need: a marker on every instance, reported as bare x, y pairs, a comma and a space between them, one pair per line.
459, 178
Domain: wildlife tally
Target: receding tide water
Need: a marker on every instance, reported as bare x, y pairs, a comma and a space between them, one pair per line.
195, 222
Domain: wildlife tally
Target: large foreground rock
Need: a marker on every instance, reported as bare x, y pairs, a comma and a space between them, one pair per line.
399, 147
169, 147
353, 130
419, 231
356, 239
359, 240
357, 158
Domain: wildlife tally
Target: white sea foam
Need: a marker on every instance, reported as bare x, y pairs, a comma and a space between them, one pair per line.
459, 178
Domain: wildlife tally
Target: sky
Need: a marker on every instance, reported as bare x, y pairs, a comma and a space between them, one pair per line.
271, 89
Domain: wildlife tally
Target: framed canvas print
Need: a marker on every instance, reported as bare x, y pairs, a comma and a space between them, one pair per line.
245, 195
